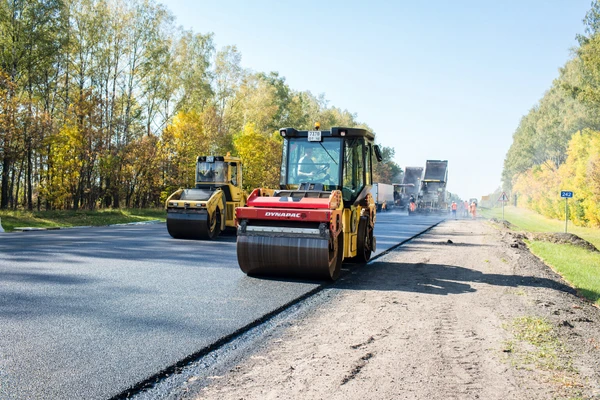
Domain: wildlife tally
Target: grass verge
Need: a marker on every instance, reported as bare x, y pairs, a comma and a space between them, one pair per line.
53, 219
527, 220
580, 267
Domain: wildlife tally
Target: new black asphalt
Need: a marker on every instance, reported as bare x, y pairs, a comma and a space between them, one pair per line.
87, 313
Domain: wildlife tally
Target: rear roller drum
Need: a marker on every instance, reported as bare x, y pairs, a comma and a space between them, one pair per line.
211, 229
364, 242
336, 246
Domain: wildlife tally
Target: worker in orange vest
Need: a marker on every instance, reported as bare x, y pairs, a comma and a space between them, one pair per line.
454, 207
412, 204
473, 210
466, 210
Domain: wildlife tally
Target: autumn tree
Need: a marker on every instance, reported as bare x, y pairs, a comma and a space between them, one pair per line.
387, 171
556, 145
261, 157
109, 103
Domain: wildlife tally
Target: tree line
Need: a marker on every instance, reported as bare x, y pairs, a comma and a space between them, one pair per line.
557, 144
107, 103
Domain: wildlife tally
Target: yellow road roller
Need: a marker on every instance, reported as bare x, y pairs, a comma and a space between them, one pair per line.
323, 213
209, 208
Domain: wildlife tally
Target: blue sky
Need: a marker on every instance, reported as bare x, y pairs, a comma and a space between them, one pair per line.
434, 80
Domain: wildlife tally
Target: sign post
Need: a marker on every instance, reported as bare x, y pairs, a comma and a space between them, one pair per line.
567, 195
503, 198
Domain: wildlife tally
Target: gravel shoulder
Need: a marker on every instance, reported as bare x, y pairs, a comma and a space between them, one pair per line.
458, 313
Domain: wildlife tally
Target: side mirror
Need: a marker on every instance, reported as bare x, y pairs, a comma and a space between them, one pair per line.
378, 155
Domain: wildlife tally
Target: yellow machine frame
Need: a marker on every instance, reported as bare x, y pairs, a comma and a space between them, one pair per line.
208, 209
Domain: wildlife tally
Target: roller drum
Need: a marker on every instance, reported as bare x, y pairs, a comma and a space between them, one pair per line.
191, 225
294, 257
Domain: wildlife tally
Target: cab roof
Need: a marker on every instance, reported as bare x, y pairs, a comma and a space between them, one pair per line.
335, 131
211, 159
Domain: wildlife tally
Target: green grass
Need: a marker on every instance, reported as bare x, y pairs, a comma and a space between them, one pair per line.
536, 345
530, 221
578, 266
50, 219
544, 348
535, 331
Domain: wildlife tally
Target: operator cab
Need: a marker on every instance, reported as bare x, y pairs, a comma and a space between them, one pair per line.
210, 169
218, 170
338, 159
213, 172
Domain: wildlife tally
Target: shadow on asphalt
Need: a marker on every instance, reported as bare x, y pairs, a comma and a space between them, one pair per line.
43, 278
435, 279
121, 243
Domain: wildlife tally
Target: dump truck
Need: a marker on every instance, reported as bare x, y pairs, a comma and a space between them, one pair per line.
403, 200
383, 194
323, 212
432, 196
409, 188
209, 208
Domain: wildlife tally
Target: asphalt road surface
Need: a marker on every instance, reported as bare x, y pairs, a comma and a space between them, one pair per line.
87, 313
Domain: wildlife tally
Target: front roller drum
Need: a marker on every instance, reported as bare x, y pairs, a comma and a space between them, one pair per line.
293, 257
197, 225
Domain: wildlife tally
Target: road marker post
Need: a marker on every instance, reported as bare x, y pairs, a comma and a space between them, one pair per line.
503, 198
566, 195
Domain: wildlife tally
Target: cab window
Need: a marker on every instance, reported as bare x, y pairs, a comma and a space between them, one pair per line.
354, 169
368, 165
233, 171
211, 172
314, 162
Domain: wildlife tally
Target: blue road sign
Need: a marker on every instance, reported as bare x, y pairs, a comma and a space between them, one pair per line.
564, 193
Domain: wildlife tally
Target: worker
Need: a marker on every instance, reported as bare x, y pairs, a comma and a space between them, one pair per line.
206, 175
384, 206
454, 207
306, 165
466, 210
412, 205
473, 210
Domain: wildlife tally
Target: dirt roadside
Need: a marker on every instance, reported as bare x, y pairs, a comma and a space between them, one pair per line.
454, 314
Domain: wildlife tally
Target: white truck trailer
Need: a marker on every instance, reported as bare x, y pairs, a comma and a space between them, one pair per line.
383, 193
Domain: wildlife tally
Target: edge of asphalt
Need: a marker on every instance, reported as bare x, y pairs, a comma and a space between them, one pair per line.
54, 228
175, 377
